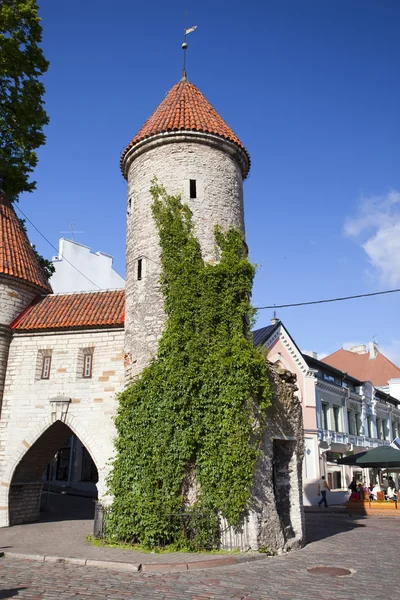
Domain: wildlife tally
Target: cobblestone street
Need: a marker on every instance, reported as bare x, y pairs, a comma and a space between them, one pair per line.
366, 546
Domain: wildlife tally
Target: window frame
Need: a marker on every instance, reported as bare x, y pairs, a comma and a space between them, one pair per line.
87, 355
46, 364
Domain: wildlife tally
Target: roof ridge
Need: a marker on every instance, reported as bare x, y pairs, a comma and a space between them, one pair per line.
102, 291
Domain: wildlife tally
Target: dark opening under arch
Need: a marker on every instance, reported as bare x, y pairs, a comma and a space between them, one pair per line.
27, 482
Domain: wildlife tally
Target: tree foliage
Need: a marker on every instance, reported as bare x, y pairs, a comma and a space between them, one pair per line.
198, 409
22, 116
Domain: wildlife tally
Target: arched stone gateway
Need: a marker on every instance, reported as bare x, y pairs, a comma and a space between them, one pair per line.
26, 480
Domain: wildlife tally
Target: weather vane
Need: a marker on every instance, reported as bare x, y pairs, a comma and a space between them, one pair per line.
186, 31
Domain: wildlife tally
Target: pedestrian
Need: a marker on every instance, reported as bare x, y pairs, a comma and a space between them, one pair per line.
323, 487
353, 486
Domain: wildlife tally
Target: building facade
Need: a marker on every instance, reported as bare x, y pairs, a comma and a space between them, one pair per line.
341, 414
78, 269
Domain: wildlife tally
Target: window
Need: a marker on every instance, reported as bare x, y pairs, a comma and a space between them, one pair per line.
62, 467
192, 186
369, 425
358, 424
139, 269
336, 418
89, 470
350, 420
46, 364
384, 429
378, 428
87, 365
324, 415
328, 377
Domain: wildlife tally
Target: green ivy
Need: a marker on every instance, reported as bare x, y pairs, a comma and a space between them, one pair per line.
197, 411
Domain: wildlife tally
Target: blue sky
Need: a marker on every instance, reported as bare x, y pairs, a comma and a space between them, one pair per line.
310, 87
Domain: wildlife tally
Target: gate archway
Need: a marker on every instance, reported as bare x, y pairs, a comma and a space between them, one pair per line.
27, 481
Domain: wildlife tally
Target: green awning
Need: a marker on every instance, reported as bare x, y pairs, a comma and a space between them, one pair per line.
384, 457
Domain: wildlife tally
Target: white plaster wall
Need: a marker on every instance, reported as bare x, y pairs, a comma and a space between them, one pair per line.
96, 266
27, 410
219, 201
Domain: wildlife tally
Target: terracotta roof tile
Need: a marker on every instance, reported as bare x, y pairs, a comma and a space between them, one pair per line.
73, 311
17, 259
378, 370
184, 109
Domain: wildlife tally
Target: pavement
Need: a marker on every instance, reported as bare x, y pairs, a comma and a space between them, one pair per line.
60, 536
367, 547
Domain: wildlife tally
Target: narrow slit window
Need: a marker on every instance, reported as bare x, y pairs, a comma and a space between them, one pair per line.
139, 269
193, 191
46, 367
87, 365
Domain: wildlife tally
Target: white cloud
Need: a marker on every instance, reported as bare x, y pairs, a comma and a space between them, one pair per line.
377, 229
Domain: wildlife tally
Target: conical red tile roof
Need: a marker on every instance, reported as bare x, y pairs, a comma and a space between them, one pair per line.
17, 259
185, 109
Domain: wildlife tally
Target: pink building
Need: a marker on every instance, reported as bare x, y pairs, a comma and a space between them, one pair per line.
341, 414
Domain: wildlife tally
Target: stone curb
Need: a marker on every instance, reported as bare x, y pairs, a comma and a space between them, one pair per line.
134, 568
81, 562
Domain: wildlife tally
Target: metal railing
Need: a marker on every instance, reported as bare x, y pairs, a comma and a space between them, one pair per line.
191, 528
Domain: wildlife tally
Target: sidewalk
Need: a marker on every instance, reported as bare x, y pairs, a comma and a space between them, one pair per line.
51, 539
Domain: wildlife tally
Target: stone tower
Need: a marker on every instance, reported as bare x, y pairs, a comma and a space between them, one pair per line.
192, 151
21, 278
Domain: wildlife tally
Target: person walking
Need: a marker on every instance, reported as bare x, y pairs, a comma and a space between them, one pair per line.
323, 487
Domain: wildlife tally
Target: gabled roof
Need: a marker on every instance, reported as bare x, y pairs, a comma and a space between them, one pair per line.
260, 336
17, 258
73, 311
184, 109
377, 370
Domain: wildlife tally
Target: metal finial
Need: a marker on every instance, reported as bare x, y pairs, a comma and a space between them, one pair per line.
185, 45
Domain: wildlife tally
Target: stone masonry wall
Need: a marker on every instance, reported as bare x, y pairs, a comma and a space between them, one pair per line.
219, 201
25, 502
31, 405
14, 298
275, 520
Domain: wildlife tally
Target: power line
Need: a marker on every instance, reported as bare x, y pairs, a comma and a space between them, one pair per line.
328, 300
54, 248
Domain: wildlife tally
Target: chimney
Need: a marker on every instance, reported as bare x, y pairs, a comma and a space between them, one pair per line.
373, 349
360, 349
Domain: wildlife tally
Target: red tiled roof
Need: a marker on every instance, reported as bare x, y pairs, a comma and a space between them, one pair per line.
378, 370
184, 109
73, 311
17, 259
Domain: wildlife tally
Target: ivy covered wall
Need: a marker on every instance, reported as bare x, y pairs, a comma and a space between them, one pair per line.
190, 426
